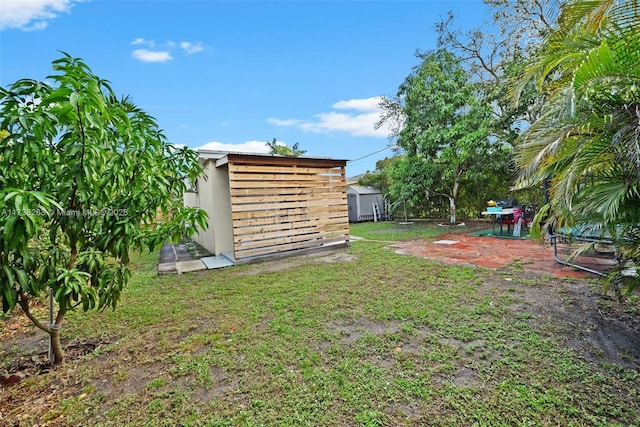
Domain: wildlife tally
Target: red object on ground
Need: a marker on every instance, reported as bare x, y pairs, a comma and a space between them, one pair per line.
492, 252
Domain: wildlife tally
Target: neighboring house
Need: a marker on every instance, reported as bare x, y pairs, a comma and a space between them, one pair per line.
366, 204
263, 205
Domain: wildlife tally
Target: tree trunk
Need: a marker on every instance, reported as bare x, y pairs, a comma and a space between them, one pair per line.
452, 198
56, 345
51, 328
55, 327
452, 210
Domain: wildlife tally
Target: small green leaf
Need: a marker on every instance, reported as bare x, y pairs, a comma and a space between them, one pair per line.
8, 273
73, 99
24, 281
94, 121
10, 195
10, 296
8, 227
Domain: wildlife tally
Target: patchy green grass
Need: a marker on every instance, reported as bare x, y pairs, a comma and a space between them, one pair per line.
396, 231
374, 339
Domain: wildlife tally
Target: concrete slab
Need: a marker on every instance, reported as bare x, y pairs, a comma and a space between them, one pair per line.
212, 262
188, 266
167, 268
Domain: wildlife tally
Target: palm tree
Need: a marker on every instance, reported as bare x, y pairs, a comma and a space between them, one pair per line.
586, 143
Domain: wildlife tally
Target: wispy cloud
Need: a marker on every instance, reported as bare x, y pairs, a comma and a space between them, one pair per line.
141, 41
258, 147
146, 55
29, 15
284, 123
162, 52
191, 48
356, 118
361, 104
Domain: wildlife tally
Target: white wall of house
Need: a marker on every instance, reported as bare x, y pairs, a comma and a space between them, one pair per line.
220, 208
213, 196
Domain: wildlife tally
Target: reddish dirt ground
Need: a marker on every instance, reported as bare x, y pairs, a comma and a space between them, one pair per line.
492, 252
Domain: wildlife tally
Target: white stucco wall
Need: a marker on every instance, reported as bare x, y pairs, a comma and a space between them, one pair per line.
219, 208
214, 197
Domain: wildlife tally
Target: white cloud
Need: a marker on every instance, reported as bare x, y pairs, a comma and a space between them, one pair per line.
353, 124
31, 15
360, 121
191, 48
280, 122
155, 52
140, 40
362, 104
258, 147
146, 55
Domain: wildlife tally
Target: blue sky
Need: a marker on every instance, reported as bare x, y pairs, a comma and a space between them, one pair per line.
235, 74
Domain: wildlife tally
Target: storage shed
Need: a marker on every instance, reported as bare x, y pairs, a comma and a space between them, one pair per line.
363, 202
264, 205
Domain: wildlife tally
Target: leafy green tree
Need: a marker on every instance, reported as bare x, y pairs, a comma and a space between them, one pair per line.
445, 128
85, 178
586, 142
379, 177
499, 50
409, 179
280, 149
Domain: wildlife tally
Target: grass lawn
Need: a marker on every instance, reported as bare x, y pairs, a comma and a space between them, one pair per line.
360, 337
395, 231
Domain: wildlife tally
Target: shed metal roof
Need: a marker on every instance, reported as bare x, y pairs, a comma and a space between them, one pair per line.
267, 159
224, 157
362, 189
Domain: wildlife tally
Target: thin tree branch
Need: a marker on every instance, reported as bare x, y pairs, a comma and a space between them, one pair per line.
23, 300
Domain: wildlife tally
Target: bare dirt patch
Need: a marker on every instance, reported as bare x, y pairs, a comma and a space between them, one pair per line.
127, 381
598, 327
351, 330
293, 262
566, 303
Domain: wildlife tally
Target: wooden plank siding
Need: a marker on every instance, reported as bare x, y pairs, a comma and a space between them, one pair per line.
283, 204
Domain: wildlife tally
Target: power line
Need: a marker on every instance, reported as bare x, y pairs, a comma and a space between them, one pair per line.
371, 154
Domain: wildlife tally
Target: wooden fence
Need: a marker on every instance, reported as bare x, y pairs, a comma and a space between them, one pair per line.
281, 204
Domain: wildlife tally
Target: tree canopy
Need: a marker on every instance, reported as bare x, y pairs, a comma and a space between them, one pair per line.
494, 58
85, 178
586, 141
444, 129
280, 149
